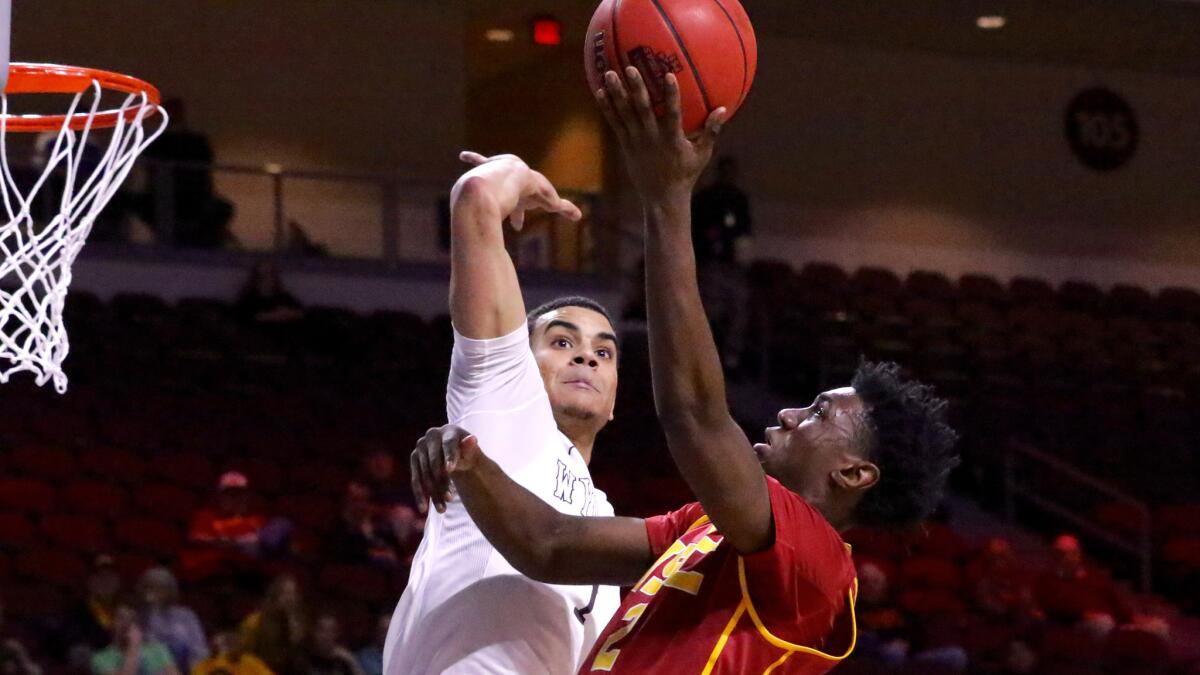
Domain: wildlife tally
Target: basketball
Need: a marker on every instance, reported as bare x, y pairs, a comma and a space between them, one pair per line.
708, 44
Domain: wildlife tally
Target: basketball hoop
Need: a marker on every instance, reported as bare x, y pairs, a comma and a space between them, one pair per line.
35, 256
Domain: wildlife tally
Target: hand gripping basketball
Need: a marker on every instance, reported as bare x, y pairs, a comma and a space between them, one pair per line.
440, 454
662, 160
516, 187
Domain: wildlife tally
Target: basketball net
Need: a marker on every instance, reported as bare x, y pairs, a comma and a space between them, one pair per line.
36, 256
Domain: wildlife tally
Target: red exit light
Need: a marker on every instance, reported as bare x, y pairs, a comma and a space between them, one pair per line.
547, 31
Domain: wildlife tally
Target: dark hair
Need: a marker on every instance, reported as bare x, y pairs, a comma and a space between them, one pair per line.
910, 441
566, 301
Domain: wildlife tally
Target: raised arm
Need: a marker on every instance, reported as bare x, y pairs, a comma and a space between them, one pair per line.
712, 453
485, 298
540, 542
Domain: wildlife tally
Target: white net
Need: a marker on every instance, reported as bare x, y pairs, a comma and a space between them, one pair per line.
37, 251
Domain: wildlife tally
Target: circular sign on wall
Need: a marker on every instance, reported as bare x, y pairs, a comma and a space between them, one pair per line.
1101, 129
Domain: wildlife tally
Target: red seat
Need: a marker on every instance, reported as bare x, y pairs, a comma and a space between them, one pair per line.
131, 565
360, 582
95, 497
930, 572
167, 501
113, 464
265, 477
34, 601
16, 532
44, 461
60, 568
187, 469
26, 494
309, 511
86, 534
150, 536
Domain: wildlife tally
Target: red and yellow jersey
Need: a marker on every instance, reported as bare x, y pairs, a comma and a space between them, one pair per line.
703, 609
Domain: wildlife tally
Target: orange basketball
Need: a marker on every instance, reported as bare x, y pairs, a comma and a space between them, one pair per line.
708, 44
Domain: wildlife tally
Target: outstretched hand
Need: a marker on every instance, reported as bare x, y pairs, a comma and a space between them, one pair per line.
440, 454
514, 187
661, 158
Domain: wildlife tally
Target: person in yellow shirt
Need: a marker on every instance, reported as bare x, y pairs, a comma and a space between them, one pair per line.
229, 659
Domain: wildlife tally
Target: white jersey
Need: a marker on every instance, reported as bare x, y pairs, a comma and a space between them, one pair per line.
466, 610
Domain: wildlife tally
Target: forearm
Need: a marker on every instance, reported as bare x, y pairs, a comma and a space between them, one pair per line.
688, 382
546, 545
485, 300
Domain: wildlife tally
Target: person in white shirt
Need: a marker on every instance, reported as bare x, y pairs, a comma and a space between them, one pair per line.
537, 389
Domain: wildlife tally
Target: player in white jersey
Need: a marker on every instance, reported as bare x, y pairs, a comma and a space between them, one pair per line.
536, 389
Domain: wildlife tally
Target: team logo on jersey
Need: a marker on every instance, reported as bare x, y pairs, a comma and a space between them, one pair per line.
568, 488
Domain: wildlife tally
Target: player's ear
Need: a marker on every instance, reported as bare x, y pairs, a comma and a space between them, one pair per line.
857, 475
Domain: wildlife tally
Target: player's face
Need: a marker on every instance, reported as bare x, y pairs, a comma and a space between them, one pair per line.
812, 443
576, 351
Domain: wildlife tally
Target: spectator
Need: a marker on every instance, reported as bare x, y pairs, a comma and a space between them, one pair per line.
231, 536
180, 198
14, 657
880, 622
721, 229
997, 585
326, 656
88, 626
229, 658
275, 633
169, 622
263, 299
365, 535
370, 658
390, 494
130, 652
1070, 591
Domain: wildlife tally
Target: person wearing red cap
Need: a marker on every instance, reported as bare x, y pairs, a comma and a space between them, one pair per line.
232, 533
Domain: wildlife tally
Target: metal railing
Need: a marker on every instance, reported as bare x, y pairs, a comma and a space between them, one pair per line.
1022, 462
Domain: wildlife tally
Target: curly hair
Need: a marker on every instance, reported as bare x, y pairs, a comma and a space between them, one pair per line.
910, 441
567, 301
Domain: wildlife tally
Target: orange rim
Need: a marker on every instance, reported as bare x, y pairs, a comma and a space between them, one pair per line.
49, 78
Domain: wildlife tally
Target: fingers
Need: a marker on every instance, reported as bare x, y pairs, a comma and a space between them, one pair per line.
472, 158
517, 219
414, 472
640, 97
621, 105
673, 119
438, 474
712, 128
423, 468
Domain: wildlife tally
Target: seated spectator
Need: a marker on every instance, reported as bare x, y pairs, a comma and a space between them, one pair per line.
1069, 590
264, 299
325, 655
130, 652
229, 536
275, 633
169, 622
390, 495
997, 585
880, 622
229, 658
365, 535
370, 658
88, 626
14, 657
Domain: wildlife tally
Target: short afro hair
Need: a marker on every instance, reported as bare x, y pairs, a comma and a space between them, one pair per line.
910, 441
567, 301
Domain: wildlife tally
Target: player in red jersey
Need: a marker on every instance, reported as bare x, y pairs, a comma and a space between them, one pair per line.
754, 578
